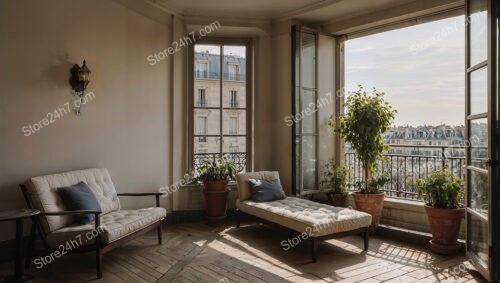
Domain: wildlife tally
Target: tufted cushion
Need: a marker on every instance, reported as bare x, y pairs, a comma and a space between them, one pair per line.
116, 225
304, 215
42, 193
244, 192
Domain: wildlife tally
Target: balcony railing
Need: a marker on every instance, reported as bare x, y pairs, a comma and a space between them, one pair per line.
216, 76
239, 158
404, 164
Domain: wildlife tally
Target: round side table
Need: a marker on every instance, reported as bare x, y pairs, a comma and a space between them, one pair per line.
18, 215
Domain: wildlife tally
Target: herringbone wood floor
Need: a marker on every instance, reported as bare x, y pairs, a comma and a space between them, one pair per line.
253, 253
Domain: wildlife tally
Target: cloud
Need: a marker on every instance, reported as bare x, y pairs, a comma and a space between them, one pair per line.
425, 88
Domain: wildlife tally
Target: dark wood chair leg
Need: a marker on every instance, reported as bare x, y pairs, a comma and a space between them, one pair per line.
238, 219
98, 263
366, 237
159, 234
29, 250
314, 249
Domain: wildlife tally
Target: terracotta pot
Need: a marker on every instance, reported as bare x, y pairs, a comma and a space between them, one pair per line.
372, 204
337, 199
216, 185
445, 226
216, 193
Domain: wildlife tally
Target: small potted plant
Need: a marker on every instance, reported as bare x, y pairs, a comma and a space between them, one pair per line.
367, 118
214, 175
442, 192
334, 183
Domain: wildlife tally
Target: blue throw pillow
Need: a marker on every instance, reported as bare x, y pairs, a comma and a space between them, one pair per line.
80, 197
266, 190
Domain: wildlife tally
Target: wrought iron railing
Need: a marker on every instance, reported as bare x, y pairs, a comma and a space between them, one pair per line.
216, 76
239, 158
404, 164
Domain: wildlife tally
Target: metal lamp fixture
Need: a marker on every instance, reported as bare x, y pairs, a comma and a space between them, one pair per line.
80, 78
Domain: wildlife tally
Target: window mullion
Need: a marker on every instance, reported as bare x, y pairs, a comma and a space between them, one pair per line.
221, 117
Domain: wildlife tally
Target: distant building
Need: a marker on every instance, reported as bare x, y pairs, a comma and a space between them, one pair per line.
208, 100
441, 136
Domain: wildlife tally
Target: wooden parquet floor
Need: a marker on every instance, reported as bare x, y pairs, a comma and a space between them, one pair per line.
253, 253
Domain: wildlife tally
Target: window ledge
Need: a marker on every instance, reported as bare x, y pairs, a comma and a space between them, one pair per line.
403, 204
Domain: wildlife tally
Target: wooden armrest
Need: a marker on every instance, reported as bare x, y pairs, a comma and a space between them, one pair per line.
69, 212
139, 194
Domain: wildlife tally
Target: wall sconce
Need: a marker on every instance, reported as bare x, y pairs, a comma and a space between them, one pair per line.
80, 78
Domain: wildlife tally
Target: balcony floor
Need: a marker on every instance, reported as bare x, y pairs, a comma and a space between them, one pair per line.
253, 253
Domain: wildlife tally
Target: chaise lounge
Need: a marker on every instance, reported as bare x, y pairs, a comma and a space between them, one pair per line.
114, 225
301, 215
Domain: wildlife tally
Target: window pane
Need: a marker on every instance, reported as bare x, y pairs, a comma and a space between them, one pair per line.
308, 113
478, 238
235, 150
234, 75
207, 75
478, 142
308, 64
478, 31
479, 91
478, 192
234, 122
205, 145
212, 124
309, 162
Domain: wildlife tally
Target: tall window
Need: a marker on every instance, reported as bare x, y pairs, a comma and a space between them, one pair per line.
201, 69
202, 128
233, 125
222, 125
233, 72
202, 98
233, 98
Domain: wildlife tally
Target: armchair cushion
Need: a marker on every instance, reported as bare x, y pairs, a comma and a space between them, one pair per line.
42, 193
80, 197
115, 225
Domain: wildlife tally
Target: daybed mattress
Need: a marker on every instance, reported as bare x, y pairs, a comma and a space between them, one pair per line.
306, 216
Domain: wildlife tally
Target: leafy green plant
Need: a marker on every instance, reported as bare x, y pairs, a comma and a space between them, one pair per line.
335, 178
441, 189
220, 169
373, 185
367, 118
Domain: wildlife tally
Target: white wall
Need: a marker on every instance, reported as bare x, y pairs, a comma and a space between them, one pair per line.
124, 128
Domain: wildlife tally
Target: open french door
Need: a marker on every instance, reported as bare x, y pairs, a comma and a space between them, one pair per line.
482, 132
305, 126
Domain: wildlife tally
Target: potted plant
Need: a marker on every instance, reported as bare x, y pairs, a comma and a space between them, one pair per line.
442, 192
214, 175
334, 183
367, 118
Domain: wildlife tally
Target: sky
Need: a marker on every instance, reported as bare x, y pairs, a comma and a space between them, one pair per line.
420, 68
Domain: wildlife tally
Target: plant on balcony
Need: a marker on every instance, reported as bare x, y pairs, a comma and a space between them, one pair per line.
368, 116
442, 192
214, 175
334, 183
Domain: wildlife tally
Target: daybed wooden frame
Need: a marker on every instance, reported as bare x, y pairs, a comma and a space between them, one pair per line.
364, 232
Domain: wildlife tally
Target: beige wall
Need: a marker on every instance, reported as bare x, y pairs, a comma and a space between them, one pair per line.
124, 128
